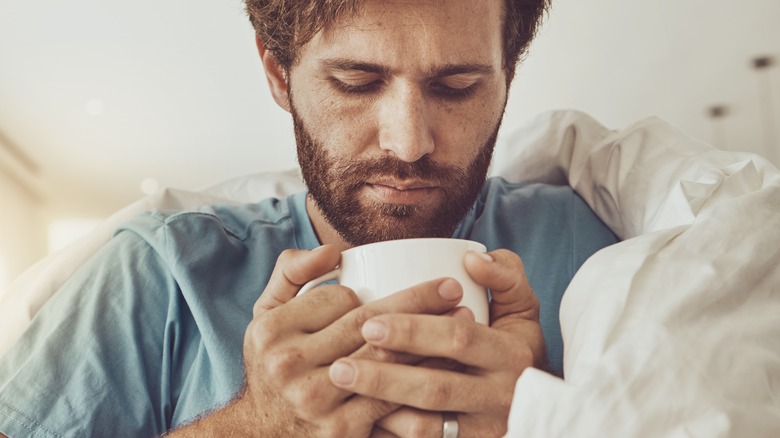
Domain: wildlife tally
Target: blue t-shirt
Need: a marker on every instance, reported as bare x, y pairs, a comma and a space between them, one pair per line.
148, 334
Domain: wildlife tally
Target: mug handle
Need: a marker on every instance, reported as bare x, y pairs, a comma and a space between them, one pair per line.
332, 275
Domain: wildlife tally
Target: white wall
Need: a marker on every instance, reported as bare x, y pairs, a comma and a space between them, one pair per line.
624, 60
22, 231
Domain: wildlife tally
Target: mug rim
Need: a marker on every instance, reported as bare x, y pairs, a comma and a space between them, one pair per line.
395, 242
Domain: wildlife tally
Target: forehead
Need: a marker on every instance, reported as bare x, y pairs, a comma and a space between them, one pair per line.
422, 33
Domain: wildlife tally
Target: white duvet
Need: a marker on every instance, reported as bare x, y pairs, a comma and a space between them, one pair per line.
673, 332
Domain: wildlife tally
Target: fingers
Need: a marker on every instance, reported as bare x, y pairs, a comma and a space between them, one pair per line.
311, 396
412, 422
514, 307
435, 336
376, 354
422, 388
293, 269
362, 408
378, 432
366, 352
315, 310
325, 335
506, 279
432, 297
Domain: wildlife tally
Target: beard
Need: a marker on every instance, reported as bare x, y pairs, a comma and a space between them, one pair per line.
335, 185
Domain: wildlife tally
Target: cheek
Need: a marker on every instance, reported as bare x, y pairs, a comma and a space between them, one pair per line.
334, 123
464, 129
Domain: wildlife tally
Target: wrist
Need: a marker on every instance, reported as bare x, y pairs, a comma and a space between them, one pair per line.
238, 418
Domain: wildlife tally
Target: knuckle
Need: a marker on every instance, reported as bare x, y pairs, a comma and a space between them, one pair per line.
498, 396
435, 394
462, 339
267, 301
333, 295
258, 337
282, 363
375, 383
259, 307
381, 354
285, 256
417, 297
335, 427
378, 409
362, 314
376, 354
416, 426
344, 295
289, 265
522, 357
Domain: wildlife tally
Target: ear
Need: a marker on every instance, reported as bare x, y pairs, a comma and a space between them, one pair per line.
275, 75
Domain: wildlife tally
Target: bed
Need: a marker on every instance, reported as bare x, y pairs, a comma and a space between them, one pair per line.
675, 331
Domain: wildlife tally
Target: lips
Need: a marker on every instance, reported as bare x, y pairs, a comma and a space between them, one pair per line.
402, 192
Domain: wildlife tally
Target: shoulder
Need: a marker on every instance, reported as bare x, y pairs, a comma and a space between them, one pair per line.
538, 215
233, 222
532, 205
498, 191
217, 233
236, 220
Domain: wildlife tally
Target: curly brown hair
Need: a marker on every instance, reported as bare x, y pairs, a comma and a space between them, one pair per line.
284, 26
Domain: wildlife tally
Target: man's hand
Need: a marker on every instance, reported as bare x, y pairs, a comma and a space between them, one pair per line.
494, 357
290, 344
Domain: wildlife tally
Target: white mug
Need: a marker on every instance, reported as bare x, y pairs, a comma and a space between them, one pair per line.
379, 269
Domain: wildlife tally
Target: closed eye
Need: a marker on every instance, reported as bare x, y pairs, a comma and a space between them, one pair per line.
453, 92
455, 86
356, 81
356, 87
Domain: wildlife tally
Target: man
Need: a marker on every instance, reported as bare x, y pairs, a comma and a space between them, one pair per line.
396, 106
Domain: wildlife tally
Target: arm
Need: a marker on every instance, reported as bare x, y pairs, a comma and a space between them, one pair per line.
84, 350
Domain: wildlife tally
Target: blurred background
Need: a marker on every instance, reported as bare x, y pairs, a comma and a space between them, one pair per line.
103, 101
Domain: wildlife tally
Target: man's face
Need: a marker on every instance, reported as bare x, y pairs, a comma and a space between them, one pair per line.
396, 111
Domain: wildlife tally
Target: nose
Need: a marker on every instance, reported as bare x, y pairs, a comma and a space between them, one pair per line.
404, 126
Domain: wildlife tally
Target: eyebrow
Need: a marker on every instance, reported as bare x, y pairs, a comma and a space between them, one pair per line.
457, 69
343, 64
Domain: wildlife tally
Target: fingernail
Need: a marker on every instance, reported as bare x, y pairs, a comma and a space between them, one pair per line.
341, 373
450, 289
484, 256
374, 330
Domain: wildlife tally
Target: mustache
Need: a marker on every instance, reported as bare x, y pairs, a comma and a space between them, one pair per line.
356, 172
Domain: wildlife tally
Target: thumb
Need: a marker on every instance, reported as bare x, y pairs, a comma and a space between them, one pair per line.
505, 276
293, 269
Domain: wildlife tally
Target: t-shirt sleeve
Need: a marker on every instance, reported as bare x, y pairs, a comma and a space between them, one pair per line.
76, 370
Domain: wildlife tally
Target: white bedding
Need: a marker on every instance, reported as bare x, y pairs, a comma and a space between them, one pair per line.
676, 330
673, 332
